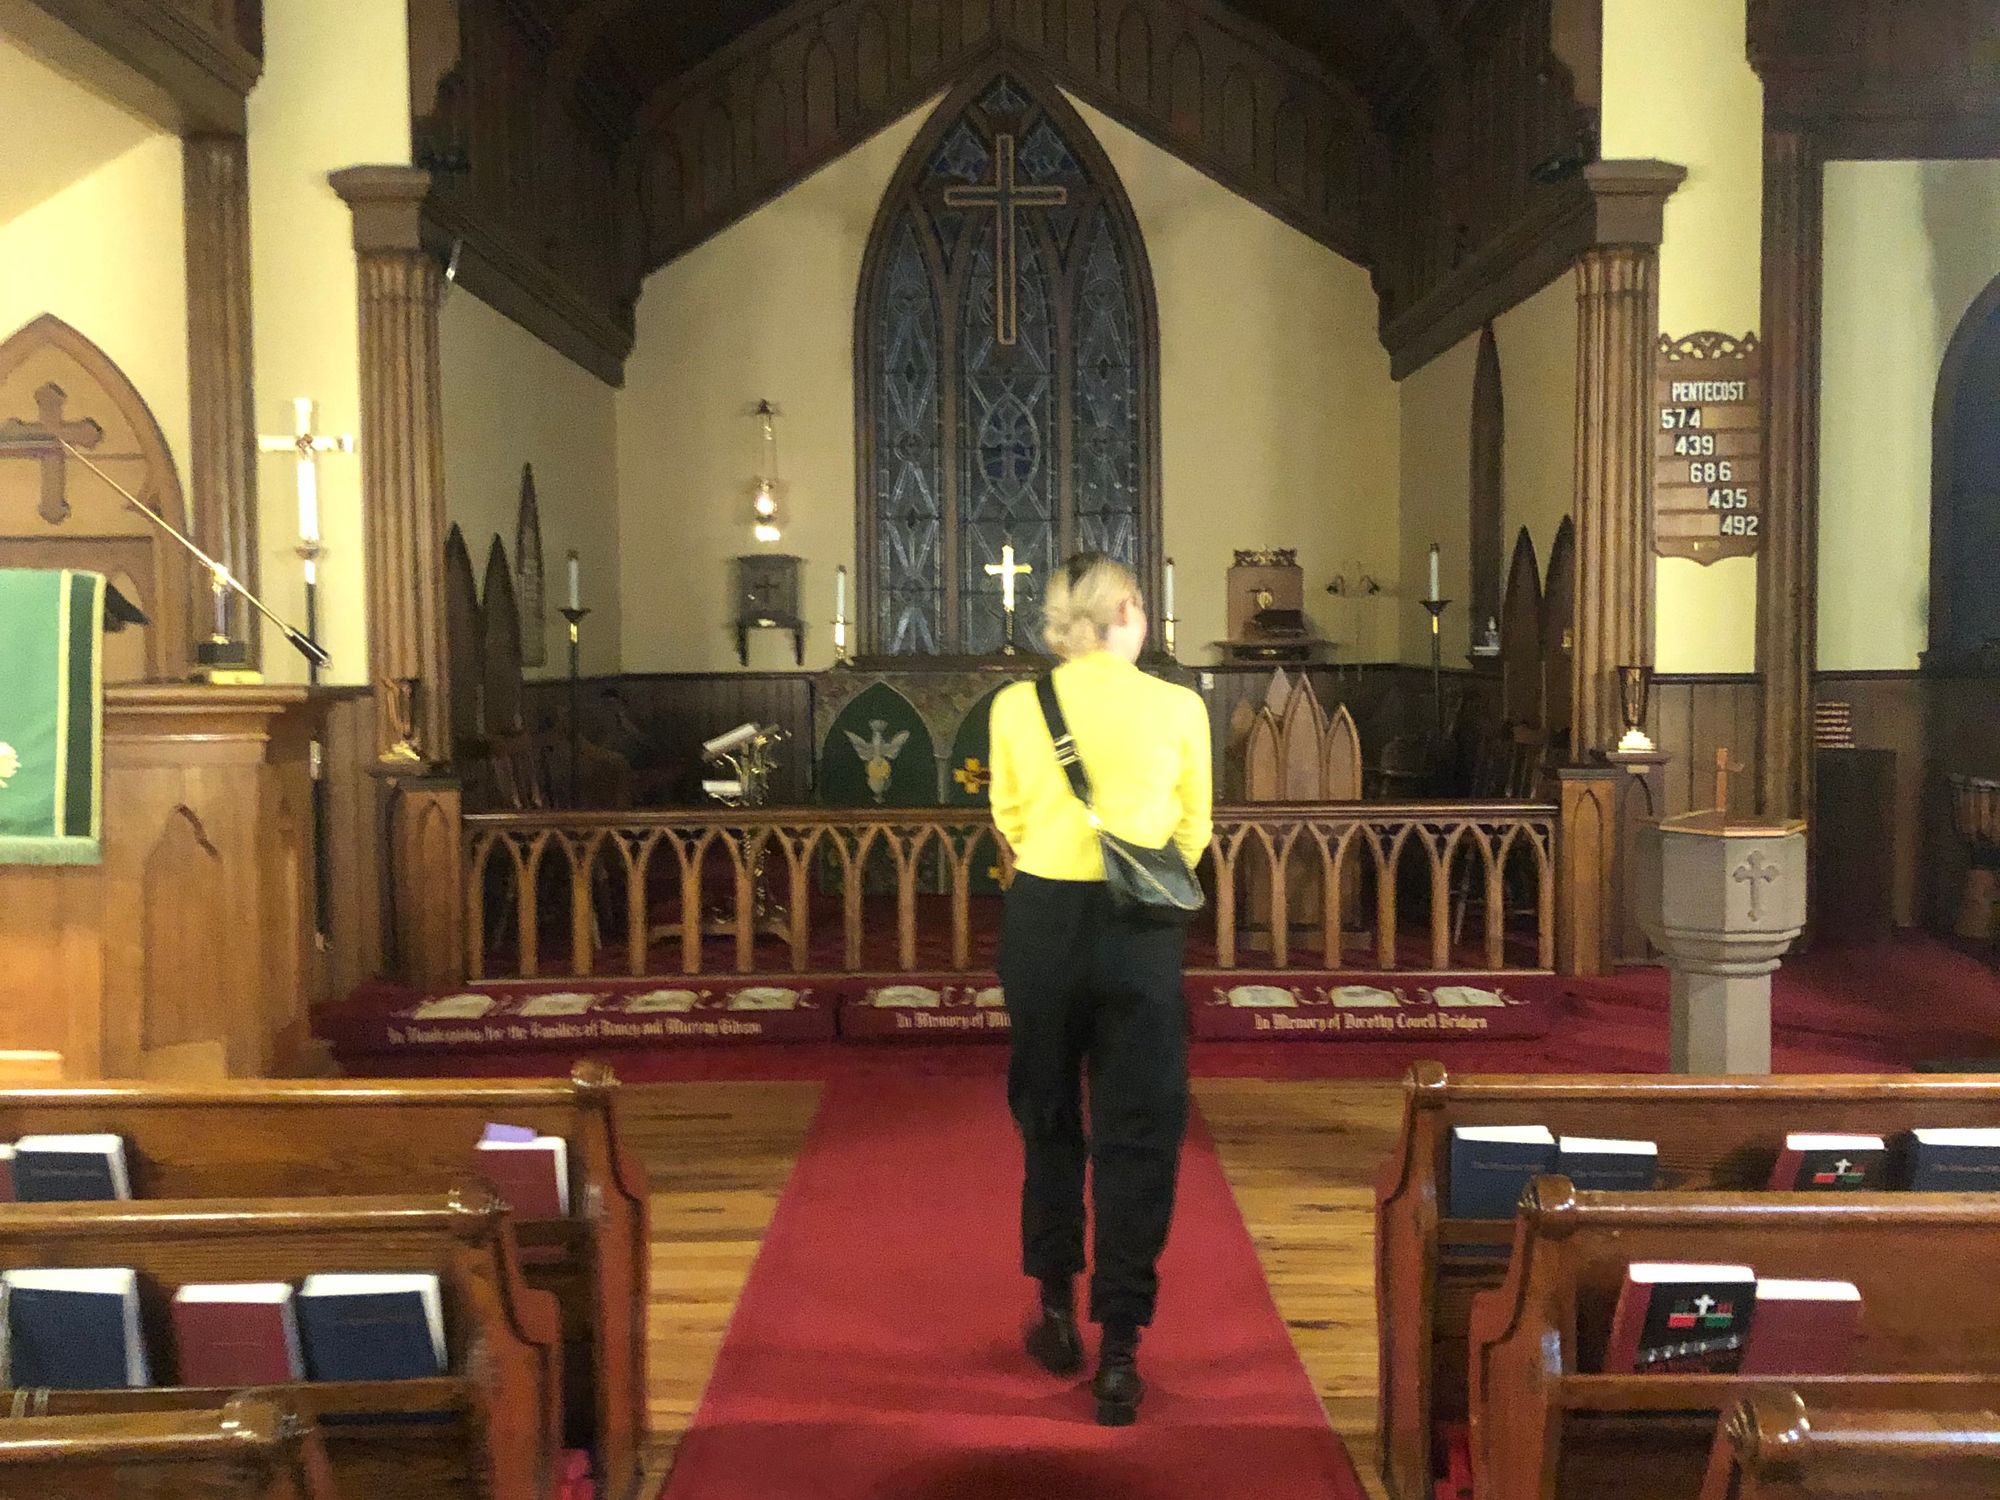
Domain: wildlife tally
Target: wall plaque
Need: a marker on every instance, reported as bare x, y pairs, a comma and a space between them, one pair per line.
1708, 448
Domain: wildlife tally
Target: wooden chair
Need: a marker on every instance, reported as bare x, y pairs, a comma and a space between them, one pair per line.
1714, 1133
1930, 1441
488, 1429
290, 1138
1545, 1421
254, 1447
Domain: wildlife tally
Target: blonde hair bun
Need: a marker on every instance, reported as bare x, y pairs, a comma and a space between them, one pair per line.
1083, 601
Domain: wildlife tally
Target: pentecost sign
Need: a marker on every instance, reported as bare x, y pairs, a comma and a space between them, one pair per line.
1708, 447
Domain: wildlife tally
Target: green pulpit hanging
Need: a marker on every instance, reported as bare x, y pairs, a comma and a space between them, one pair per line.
51, 717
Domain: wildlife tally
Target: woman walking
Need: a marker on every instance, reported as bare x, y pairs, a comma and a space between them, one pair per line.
1092, 977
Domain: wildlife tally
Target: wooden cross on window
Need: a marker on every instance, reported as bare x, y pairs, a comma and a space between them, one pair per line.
1004, 195
42, 440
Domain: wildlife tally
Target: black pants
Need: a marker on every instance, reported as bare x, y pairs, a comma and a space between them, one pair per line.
1088, 986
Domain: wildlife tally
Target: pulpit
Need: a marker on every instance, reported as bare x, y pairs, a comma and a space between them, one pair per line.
188, 952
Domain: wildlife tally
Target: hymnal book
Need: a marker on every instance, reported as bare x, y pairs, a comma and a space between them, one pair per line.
70, 1168
1952, 1161
1457, 1482
1830, 1163
1803, 1328
372, 1327
1491, 1164
1677, 1318
7, 1174
1607, 1166
74, 1329
237, 1333
531, 1175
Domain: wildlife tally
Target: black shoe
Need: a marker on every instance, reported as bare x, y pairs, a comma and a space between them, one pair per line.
1117, 1387
1053, 1341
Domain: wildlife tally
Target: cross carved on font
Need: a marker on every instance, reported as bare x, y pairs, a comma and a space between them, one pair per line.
42, 440
1005, 195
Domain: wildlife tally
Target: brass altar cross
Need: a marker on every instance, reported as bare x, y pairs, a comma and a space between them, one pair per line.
1724, 769
42, 440
1004, 195
1007, 570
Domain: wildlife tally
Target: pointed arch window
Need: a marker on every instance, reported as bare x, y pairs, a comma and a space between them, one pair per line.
1009, 375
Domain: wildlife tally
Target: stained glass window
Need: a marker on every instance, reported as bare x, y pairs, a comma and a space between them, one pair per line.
1008, 392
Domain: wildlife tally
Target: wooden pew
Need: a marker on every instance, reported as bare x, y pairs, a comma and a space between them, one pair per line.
491, 1427
254, 1447
1773, 1446
276, 1138
1722, 1133
1546, 1422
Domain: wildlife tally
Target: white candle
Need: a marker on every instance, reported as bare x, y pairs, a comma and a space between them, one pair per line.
1169, 600
840, 593
575, 583
1434, 594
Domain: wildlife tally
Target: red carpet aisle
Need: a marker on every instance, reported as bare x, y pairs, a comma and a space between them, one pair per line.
876, 1350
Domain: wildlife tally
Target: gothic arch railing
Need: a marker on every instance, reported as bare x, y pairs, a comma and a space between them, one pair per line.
552, 894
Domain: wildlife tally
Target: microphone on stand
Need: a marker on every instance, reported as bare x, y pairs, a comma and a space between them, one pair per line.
307, 647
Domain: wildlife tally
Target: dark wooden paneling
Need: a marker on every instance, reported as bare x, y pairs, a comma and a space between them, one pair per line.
659, 721
1270, 121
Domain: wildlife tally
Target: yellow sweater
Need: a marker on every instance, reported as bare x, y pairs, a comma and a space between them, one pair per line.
1145, 748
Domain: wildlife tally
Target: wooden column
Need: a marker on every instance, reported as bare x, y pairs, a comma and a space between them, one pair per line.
402, 458
222, 469
1618, 329
1788, 570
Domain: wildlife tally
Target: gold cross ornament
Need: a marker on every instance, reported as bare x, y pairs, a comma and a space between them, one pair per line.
1005, 195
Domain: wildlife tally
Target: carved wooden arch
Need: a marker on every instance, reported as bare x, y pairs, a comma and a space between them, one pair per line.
464, 634
1521, 637
1488, 487
97, 530
1047, 98
500, 647
531, 576
1979, 327
1558, 636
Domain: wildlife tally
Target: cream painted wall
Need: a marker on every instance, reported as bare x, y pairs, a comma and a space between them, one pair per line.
1909, 248
1538, 376
1537, 343
335, 93
1278, 416
510, 399
1436, 473
105, 254
58, 130
1678, 86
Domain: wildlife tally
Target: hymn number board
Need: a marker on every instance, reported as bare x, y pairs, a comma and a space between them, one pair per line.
1708, 447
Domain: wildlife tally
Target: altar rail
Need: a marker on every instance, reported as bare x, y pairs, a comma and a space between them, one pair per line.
552, 894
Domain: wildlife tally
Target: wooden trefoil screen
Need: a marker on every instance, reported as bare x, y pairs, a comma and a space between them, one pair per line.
1009, 380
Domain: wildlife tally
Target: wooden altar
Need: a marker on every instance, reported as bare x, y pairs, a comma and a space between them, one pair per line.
188, 952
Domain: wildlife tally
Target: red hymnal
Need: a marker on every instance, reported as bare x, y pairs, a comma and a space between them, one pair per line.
531, 1175
1803, 1328
6, 1174
1676, 1318
237, 1334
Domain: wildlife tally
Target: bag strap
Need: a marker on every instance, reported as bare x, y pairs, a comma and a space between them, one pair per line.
1066, 756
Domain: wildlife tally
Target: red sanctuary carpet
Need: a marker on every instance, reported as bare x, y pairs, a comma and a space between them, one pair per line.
876, 1353
1881, 1008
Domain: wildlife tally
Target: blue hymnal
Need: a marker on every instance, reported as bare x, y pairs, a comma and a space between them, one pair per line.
1491, 1164
70, 1169
74, 1329
1953, 1160
372, 1327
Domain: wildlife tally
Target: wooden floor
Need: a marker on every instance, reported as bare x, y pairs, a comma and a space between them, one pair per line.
1301, 1158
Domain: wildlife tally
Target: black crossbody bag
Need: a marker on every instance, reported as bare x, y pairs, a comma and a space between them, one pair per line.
1153, 883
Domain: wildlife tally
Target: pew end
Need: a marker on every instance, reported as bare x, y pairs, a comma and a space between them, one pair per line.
251, 1446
